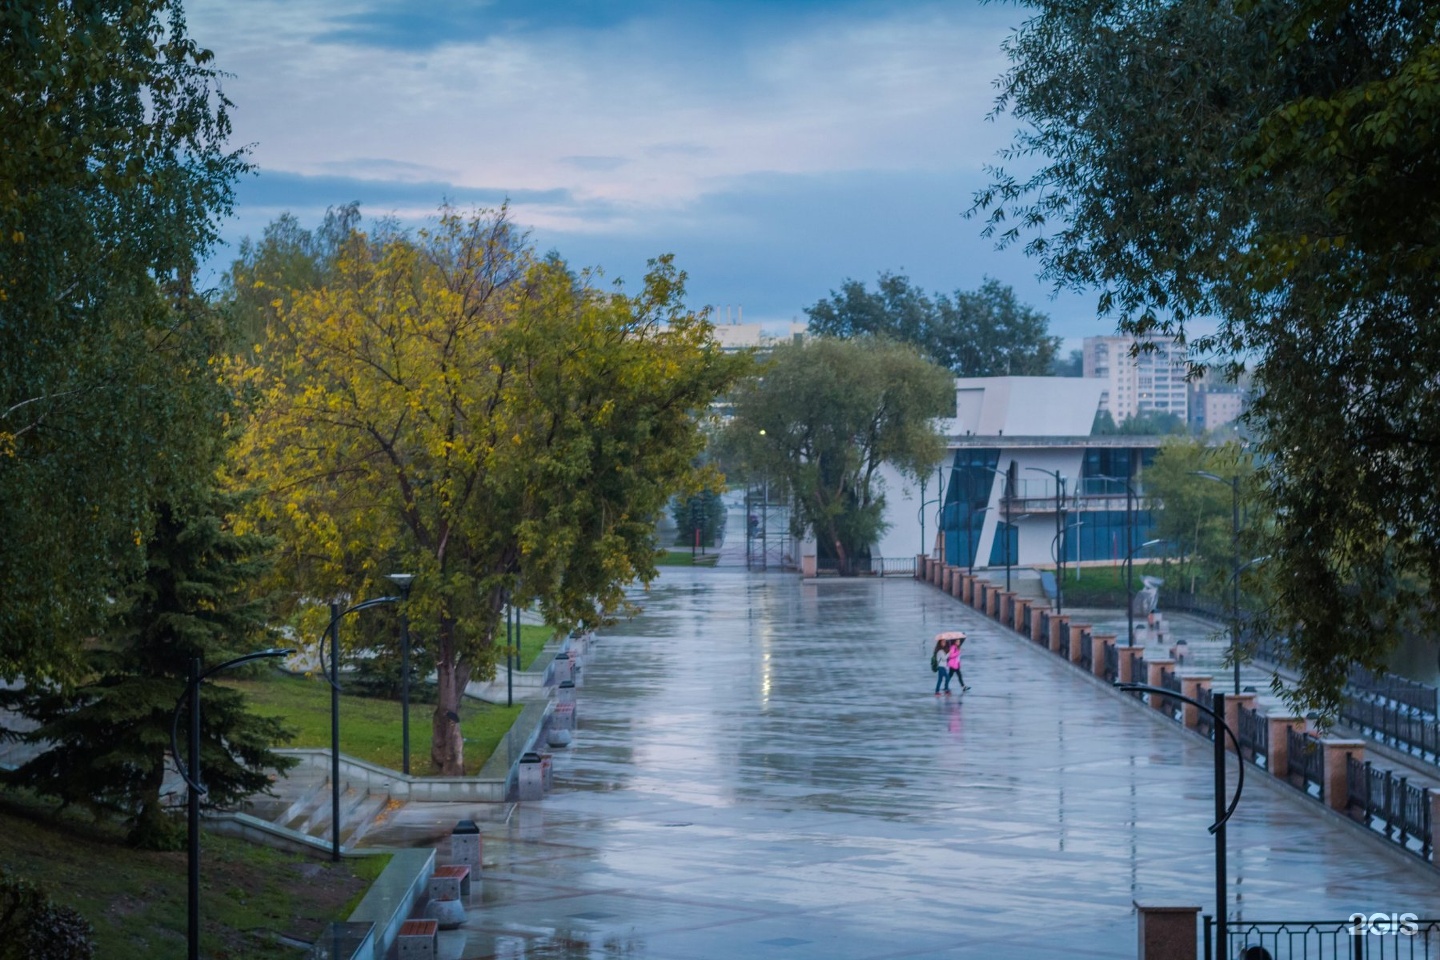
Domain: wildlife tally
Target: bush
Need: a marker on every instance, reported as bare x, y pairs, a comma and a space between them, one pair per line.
34, 928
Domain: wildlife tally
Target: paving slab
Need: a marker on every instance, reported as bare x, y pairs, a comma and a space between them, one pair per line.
761, 770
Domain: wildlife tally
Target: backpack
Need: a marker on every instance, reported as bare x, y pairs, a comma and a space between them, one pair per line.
934, 661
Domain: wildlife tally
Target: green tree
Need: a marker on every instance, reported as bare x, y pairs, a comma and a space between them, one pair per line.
704, 511
106, 740
490, 422
1271, 165
34, 927
113, 172
980, 333
1073, 365
823, 417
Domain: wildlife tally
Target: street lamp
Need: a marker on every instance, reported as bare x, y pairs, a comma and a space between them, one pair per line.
1234, 484
190, 773
336, 615
1222, 813
1059, 536
1130, 590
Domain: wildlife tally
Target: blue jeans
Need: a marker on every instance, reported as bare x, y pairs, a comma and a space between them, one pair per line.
942, 676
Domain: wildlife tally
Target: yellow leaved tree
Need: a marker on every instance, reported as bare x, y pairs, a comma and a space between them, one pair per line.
449, 404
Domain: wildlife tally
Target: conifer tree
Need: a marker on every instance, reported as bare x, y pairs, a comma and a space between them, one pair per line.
107, 739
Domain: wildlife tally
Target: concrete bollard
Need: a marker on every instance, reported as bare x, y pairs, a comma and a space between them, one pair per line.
564, 669
565, 692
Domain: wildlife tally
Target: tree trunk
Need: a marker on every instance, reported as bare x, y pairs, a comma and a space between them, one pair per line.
152, 828
447, 747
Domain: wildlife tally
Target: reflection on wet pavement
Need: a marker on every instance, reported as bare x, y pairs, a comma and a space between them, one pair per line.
761, 770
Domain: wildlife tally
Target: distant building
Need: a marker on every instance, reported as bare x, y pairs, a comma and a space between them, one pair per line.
738, 336
1154, 381
1215, 402
986, 502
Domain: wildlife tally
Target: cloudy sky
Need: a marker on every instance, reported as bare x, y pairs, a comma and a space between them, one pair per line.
776, 148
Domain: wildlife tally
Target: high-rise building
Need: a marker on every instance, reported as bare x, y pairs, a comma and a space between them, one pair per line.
1153, 381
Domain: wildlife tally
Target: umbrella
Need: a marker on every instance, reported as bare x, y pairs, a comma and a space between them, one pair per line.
950, 635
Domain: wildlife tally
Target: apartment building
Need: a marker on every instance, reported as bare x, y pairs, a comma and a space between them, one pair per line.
1153, 381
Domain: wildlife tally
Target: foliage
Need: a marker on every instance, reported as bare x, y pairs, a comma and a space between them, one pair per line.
34, 928
980, 333
491, 422
1072, 365
705, 511
822, 419
1271, 165
113, 172
1148, 423
106, 740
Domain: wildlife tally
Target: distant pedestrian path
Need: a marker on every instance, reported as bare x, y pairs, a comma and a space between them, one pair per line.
762, 770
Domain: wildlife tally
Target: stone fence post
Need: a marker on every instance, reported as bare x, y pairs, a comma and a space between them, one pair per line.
1191, 686
1098, 645
1336, 789
1233, 703
1154, 668
1167, 933
1128, 656
1277, 760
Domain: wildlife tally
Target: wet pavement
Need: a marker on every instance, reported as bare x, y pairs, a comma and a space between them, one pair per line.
762, 771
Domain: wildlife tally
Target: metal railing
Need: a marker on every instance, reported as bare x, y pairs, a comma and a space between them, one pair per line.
1397, 726
1025, 616
1397, 937
1204, 725
1390, 805
892, 566
1254, 736
1306, 761
1087, 651
1170, 680
1139, 673
1045, 627
1064, 649
1112, 662
1419, 696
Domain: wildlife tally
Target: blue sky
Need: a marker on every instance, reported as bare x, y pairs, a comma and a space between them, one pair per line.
775, 148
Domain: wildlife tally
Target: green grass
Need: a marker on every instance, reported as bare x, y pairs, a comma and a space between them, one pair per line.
533, 638
135, 899
683, 558
370, 727
1109, 579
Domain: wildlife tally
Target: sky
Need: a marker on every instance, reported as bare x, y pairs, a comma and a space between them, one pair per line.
776, 148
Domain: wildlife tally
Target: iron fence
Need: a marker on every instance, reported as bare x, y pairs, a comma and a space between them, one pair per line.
1170, 680
1204, 722
1045, 627
1112, 662
1397, 726
1419, 696
1388, 936
1087, 650
1254, 735
1390, 804
1065, 641
1306, 761
1139, 673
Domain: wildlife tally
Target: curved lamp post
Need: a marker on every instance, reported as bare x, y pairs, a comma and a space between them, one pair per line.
402, 581
190, 773
1059, 535
1222, 812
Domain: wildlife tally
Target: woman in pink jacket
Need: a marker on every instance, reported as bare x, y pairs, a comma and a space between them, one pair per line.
952, 660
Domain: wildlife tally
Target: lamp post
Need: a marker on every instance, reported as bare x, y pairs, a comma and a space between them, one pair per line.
1234, 484
1130, 591
1059, 536
336, 615
190, 773
1222, 812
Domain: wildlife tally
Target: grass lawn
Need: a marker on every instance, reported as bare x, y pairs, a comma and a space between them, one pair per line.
683, 558
532, 638
370, 727
1109, 579
135, 899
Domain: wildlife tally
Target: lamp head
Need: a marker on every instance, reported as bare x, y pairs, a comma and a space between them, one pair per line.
403, 582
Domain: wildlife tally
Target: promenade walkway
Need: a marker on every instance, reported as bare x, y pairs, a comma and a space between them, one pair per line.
761, 771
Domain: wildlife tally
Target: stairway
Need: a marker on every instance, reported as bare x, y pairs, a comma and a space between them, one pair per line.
304, 806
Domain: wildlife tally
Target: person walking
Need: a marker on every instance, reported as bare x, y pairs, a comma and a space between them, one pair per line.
940, 663
952, 665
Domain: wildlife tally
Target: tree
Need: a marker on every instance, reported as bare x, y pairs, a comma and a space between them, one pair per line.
106, 740
34, 927
823, 417
981, 333
704, 512
113, 172
450, 405
1072, 366
1271, 165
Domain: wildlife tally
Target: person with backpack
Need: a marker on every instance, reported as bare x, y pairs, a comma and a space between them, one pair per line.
940, 664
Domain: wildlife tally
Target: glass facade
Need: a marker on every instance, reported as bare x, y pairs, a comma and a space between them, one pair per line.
972, 477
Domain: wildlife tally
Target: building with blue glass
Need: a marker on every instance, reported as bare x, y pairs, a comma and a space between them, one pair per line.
1024, 480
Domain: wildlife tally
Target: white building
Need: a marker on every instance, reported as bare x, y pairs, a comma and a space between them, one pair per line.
1014, 443
1154, 381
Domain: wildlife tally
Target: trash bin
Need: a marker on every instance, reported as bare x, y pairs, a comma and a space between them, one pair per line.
564, 668
467, 846
566, 692
529, 777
